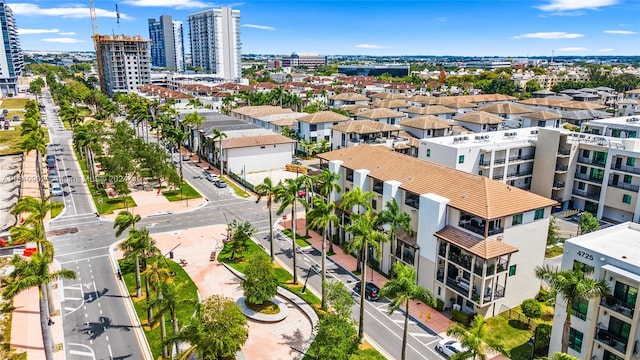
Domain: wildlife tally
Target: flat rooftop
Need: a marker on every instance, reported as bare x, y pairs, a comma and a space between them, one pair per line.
627, 121
615, 242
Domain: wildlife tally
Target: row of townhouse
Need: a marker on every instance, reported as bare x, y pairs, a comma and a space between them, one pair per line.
475, 242
597, 170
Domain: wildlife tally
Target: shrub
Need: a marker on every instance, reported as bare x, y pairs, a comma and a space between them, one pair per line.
461, 317
260, 282
544, 296
531, 308
439, 305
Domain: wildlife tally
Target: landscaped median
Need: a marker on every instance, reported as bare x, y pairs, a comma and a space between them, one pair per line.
187, 192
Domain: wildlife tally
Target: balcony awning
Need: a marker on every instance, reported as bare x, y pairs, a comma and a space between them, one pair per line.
622, 272
484, 248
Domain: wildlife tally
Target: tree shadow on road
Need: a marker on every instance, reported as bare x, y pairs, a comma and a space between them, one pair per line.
96, 329
295, 341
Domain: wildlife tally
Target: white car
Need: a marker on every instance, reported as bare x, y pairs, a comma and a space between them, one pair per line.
56, 190
212, 177
449, 347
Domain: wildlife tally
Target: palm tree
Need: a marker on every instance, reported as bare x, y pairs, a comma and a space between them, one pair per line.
403, 289
364, 235
155, 277
124, 221
35, 273
267, 189
169, 298
327, 184
196, 120
357, 201
572, 286
287, 195
475, 340
135, 247
395, 218
322, 216
36, 208
241, 233
195, 103
36, 141
217, 134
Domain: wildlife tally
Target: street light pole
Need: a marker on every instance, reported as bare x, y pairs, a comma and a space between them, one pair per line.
311, 268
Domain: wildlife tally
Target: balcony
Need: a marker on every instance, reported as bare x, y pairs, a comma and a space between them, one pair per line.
557, 184
462, 260
498, 293
498, 177
561, 168
522, 158
517, 174
608, 338
477, 228
563, 152
588, 161
625, 168
617, 305
625, 186
584, 194
498, 161
484, 163
588, 177
461, 286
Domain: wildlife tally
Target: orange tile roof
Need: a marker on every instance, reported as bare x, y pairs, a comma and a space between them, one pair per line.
542, 115
429, 110
250, 141
475, 194
379, 113
391, 103
364, 127
426, 122
323, 117
504, 108
479, 117
484, 248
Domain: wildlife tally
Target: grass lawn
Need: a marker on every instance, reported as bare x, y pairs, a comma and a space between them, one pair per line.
300, 239
14, 103
56, 212
184, 312
187, 193
13, 113
239, 191
108, 205
553, 251
10, 141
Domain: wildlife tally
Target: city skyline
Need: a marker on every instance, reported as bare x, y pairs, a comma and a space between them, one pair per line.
383, 28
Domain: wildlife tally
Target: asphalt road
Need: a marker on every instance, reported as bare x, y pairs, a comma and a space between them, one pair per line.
95, 311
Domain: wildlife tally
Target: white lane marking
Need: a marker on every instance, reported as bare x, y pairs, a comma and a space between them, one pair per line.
72, 298
81, 353
78, 252
89, 258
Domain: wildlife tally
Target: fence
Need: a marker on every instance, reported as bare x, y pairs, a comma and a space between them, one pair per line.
511, 314
242, 181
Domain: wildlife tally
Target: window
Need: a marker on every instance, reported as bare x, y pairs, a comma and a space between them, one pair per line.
575, 340
625, 293
512, 270
461, 159
541, 123
583, 169
428, 152
378, 186
517, 219
626, 199
539, 214
631, 161
313, 127
349, 175
579, 265
412, 200
579, 308
374, 204
585, 153
581, 186
627, 179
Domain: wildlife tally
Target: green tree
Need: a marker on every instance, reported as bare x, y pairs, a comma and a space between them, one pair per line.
395, 219
531, 308
588, 223
125, 220
35, 273
218, 330
339, 298
287, 195
363, 229
357, 201
134, 247
218, 135
572, 286
35, 87
475, 340
155, 277
260, 282
327, 184
36, 141
336, 338
322, 216
241, 233
552, 232
266, 189
171, 296
563, 356
194, 119
401, 291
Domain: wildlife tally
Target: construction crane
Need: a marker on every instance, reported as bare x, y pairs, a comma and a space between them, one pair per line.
96, 42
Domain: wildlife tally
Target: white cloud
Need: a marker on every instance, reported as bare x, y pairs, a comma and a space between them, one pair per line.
183, 4
619, 32
259, 27
568, 5
370, 46
36, 31
70, 33
605, 50
572, 49
69, 11
553, 35
62, 40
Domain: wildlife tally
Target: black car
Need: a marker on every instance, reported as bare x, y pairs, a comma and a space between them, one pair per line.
371, 291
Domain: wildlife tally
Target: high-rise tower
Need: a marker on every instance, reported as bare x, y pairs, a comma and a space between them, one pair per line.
11, 61
215, 42
123, 63
167, 46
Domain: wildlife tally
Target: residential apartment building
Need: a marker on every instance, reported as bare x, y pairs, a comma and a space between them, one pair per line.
11, 59
604, 328
317, 126
123, 63
167, 45
476, 241
215, 42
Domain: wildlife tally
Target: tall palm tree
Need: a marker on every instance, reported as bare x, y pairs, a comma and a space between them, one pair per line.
135, 247
36, 141
475, 340
322, 216
171, 296
219, 135
287, 195
357, 201
571, 285
125, 220
195, 103
155, 276
195, 120
364, 235
396, 219
327, 184
401, 291
35, 273
267, 189
36, 208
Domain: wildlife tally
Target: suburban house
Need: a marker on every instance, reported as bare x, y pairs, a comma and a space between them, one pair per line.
317, 126
356, 132
383, 115
427, 126
479, 121
343, 99
511, 112
436, 110
542, 118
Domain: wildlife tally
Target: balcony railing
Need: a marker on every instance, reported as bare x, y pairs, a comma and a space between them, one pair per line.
606, 337
622, 185
582, 193
522, 157
558, 184
498, 161
561, 168
515, 174
462, 260
563, 152
625, 168
461, 286
588, 177
617, 305
498, 177
590, 161
479, 229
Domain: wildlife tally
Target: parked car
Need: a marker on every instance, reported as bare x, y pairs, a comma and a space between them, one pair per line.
51, 164
212, 177
449, 347
220, 184
56, 190
54, 180
6, 125
16, 118
371, 291
52, 174
185, 157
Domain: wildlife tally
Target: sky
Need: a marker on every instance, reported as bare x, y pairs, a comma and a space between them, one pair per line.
362, 27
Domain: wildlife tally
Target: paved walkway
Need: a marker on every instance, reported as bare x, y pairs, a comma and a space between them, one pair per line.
150, 203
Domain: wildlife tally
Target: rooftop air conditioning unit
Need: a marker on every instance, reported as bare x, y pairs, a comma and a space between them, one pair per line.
507, 134
466, 138
534, 132
479, 137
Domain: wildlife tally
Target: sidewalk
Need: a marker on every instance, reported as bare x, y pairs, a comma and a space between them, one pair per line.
150, 203
427, 315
